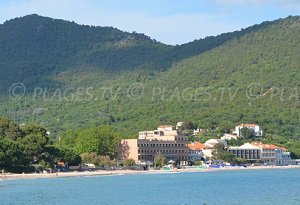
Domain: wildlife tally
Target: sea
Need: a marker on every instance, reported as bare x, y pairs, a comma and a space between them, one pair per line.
234, 187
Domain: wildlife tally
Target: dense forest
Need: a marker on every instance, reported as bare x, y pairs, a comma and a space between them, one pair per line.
79, 76
28, 147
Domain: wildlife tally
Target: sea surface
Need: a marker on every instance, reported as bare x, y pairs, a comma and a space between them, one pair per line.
241, 187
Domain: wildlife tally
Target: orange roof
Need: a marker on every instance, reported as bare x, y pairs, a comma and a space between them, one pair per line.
247, 125
267, 146
196, 146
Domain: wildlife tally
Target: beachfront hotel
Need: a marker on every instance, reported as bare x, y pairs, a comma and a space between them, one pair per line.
267, 153
247, 151
165, 140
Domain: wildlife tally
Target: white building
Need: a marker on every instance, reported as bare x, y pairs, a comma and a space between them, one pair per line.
274, 155
247, 151
229, 137
209, 144
195, 151
256, 129
267, 153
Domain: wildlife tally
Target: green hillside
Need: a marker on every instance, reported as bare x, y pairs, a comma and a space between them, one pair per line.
97, 75
35, 49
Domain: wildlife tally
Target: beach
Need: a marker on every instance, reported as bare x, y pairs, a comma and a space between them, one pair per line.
11, 176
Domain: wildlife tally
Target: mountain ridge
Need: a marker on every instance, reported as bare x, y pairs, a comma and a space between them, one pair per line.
265, 54
63, 45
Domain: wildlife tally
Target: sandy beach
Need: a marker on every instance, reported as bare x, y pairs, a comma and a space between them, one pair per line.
9, 176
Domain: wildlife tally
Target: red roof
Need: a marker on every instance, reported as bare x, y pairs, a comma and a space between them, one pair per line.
267, 146
196, 146
247, 125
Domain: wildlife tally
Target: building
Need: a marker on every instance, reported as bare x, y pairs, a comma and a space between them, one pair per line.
266, 153
165, 140
247, 151
255, 128
229, 137
274, 155
209, 144
179, 125
195, 151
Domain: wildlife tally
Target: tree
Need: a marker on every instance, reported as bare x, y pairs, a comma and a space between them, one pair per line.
159, 160
34, 129
247, 133
220, 153
87, 142
34, 145
69, 156
9, 129
67, 138
103, 161
268, 137
188, 125
101, 140
239, 161
98, 160
89, 158
235, 142
12, 158
128, 162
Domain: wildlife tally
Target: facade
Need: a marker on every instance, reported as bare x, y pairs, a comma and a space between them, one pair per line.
256, 129
274, 155
195, 151
166, 140
267, 154
247, 151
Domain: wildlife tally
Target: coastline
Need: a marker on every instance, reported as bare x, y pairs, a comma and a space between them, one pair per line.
129, 172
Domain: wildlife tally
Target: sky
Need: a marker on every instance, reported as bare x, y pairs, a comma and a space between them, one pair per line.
168, 21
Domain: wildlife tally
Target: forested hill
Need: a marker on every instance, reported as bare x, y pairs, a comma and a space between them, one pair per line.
34, 49
206, 81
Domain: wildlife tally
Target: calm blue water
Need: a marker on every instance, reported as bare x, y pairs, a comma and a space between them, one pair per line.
253, 187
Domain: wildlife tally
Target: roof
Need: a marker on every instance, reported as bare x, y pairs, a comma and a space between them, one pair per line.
267, 146
196, 146
249, 146
247, 125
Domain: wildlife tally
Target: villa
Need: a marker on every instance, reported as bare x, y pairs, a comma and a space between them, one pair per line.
255, 128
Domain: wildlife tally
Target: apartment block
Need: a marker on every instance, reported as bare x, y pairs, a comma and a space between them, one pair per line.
165, 140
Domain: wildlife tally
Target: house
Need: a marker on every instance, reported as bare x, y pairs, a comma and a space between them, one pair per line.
209, 144
195, 151
255, 128
229, 137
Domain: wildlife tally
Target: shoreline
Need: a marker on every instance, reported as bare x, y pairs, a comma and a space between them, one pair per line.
130, 172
